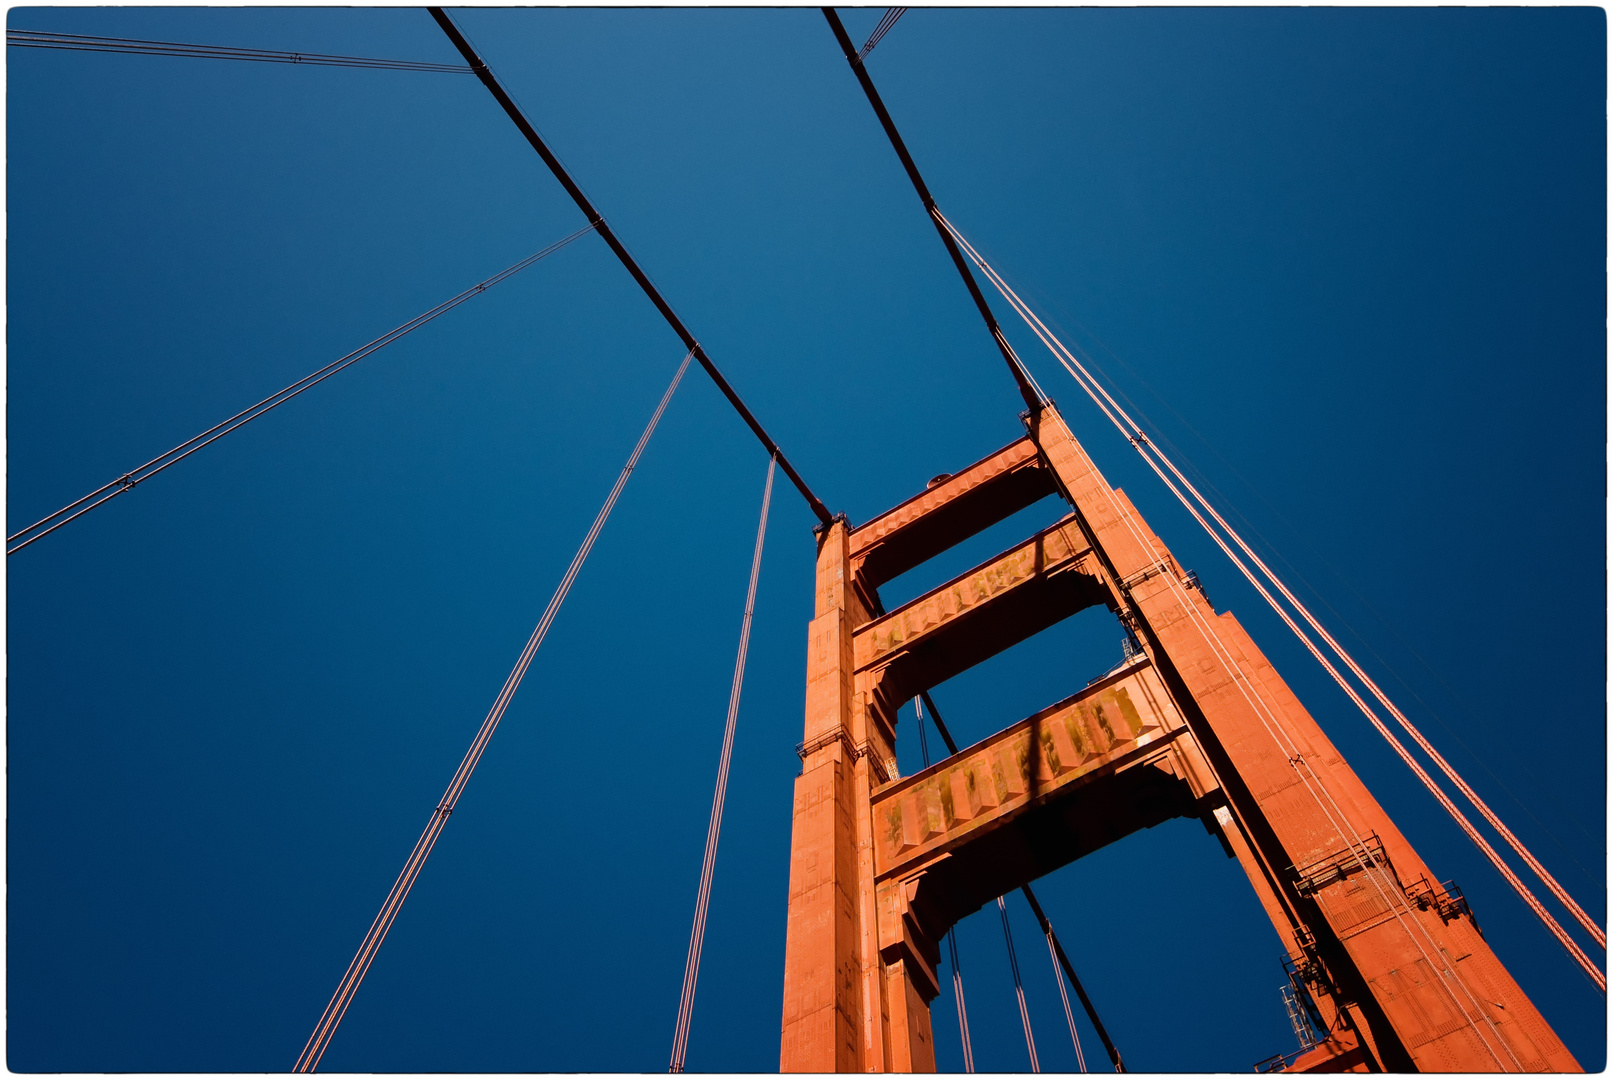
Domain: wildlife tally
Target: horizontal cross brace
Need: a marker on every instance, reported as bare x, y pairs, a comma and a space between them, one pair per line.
973, 617
950, 511
985, 785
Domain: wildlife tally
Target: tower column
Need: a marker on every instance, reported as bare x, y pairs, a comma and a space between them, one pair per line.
829, 1022
1432, 995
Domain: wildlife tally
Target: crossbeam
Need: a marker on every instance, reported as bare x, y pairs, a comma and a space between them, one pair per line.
948, 512
1076, 776
991, 783
976, 615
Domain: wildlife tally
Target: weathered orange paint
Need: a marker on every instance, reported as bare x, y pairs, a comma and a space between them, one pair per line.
1200, 725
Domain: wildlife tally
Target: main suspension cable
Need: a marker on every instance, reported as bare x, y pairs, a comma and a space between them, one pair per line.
1034, 397
125, 483
325, 1030
1148, 451
1021, 377
35, 39
513, 111
697, 936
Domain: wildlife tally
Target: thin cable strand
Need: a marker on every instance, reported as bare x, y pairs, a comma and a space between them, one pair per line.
697, 935
128, 480
325, 1030
952, 945
1019, 990
1064, 996
35, 39
963, 1011
886, 21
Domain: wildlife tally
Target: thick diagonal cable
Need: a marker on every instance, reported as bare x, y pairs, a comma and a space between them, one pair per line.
35, 39
513, 111
886, 21
1041, 918
1019, 989
1147, 450
697, 935
106, 492
325, 1030
1021, 378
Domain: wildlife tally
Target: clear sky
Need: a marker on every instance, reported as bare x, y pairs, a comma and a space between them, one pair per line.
1351, 262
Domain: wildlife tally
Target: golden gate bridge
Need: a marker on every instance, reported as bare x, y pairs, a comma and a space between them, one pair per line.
1388, 968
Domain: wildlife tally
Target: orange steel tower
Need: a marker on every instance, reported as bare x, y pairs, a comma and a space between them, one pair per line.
1197, 724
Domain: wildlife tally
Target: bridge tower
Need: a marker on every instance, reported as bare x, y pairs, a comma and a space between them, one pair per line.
1196, 724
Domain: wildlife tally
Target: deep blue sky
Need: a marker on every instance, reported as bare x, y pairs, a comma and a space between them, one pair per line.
1358, 254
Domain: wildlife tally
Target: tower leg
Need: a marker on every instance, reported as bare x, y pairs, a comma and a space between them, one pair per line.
833, 1015
1366, 914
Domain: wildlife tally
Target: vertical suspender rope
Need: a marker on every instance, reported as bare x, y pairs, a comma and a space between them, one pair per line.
1063, 962
1069, 1017
697, 936
325, 1030
1019, 990
952, 944
963, 1012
